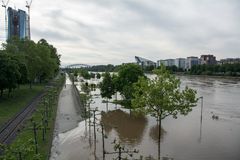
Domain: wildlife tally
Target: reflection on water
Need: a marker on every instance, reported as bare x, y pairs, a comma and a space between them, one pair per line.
130, 128
185, 138
154, 134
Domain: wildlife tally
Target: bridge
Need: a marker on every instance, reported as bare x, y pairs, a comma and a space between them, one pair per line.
79, 65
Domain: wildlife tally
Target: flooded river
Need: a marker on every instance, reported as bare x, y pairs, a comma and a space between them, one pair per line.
183, 138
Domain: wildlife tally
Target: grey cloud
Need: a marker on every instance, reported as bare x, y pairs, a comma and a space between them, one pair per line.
54, 35
150, 28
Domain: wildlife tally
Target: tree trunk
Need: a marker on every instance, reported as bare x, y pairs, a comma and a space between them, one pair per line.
159, 135
107, 105
9, 91
30, 85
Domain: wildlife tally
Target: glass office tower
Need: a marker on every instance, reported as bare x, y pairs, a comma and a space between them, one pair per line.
17, 23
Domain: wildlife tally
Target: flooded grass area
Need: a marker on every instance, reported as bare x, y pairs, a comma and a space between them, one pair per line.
184, 138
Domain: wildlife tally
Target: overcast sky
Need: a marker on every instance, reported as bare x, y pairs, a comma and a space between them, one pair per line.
114, 31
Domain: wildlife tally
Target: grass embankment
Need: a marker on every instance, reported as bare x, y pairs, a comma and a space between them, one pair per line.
25, 144
10, 106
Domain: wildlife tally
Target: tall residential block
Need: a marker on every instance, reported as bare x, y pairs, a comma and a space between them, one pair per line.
17, 23
208, 59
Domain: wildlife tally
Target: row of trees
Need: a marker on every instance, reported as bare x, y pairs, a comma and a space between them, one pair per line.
102, 68
224, 69
84, 73
24, 61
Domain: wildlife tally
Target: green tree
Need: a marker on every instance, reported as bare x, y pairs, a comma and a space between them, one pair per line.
107, 86
3, 69
98, 75
84, 73
25, 61
92, 75
55, 57
115, 83
75, 73
127, 75
33, 61
9, 73
162, 97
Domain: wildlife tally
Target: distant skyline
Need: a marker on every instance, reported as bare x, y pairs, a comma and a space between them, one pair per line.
114, 31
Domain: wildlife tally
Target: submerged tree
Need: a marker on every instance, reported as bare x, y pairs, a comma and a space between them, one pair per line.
128, 74
107, 86
161, 97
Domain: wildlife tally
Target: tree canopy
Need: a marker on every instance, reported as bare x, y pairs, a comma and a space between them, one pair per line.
24, 61
162, 97
107, 86
223, 69
127, 75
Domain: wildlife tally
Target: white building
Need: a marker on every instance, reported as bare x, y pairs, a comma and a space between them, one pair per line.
166, 62
180, 63
191, 61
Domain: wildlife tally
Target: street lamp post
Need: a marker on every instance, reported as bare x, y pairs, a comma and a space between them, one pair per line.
201, 107
200, 138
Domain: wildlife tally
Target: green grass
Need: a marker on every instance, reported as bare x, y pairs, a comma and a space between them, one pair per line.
24, 140
19, 99
27, 132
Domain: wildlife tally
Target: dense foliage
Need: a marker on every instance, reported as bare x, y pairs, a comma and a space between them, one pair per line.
224, 69
107, 86
24, 61
128, 74
81, 72
102, 68
162, 96
122, 82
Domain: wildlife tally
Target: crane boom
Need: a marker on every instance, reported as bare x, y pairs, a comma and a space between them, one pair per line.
28, 5
4, 5
7, 2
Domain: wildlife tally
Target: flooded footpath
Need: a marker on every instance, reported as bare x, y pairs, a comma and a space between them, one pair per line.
184, 138
67, 118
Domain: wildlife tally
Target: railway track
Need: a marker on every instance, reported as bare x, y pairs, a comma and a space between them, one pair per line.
8, 131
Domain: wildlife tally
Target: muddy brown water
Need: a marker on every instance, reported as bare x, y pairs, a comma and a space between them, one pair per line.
182, 138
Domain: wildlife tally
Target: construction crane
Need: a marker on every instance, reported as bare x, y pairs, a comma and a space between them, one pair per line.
4, 5
28, 5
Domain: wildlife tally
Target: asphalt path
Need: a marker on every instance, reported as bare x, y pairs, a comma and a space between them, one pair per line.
68, 115
68, 108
